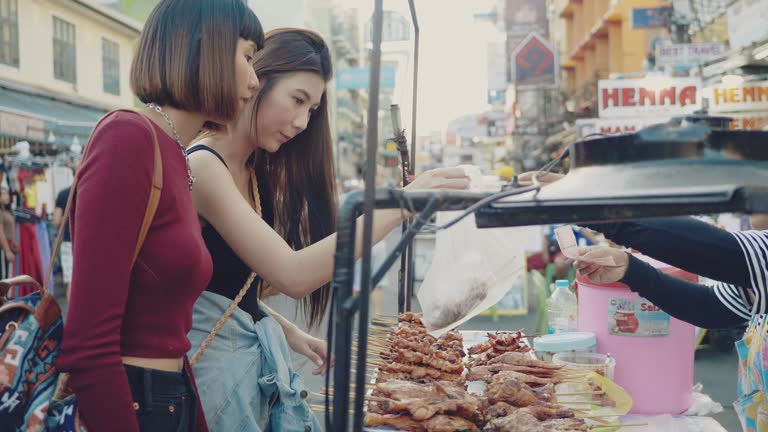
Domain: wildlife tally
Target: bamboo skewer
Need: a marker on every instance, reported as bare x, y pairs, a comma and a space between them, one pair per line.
600, 416
632, 424
385, 321
330, 390
375, 332
384, 399
596, 403
321, 408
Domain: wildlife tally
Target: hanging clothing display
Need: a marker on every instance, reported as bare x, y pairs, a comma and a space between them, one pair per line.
61, 177
29, 258
6, 269
44, 243
33, 183
27, 187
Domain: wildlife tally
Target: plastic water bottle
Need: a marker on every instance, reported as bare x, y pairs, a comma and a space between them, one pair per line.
562, 309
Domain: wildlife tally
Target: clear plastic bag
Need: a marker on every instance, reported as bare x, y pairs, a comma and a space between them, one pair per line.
472, 269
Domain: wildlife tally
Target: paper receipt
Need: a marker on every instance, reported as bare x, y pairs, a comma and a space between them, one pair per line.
567, 242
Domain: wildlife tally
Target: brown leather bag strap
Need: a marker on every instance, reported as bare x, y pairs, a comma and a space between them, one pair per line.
154, 197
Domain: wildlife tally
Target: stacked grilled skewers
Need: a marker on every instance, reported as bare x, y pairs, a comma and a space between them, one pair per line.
420, 383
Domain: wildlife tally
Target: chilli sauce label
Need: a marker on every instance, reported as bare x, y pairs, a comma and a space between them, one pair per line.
638, 318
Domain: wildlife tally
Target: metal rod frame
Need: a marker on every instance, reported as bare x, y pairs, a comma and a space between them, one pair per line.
368, 206
402, 147
409, 270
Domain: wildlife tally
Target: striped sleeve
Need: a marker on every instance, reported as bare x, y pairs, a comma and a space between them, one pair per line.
754, 244
734, 299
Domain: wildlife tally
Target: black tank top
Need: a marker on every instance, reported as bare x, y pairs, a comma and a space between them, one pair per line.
229, 271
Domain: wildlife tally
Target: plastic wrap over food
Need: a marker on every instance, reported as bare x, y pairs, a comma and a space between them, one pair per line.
472, 269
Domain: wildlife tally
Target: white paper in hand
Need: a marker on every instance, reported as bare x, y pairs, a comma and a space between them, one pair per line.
567, 242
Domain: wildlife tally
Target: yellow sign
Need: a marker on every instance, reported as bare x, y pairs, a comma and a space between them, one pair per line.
750, 96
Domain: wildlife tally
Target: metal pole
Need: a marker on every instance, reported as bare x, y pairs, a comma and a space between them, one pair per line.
342, 317
415, 20
402, 147
409, 252
368, 208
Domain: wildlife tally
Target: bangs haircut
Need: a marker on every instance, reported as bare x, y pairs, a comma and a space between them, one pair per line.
186, 55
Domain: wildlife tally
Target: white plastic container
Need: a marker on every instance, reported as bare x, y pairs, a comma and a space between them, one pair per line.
547, 346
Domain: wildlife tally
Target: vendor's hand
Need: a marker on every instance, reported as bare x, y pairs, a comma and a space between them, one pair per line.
10, 256
440, 178
313, 348
526, 179
598, 273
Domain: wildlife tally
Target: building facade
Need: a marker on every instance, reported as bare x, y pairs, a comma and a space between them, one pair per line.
601, 40
63, 64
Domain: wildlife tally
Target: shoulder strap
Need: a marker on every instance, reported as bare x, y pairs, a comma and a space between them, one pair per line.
204, 147
154, 195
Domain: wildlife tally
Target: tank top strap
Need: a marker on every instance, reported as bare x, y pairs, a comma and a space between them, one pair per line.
204, 147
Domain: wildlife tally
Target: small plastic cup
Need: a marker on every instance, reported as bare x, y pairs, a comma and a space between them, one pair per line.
587, 361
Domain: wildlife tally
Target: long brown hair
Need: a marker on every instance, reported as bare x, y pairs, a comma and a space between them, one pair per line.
297, 183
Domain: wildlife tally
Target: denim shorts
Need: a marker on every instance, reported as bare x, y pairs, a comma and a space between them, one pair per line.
164, 401
245, 378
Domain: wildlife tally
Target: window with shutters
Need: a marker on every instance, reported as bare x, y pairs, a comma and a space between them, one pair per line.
110, 61
9, 32
64, 58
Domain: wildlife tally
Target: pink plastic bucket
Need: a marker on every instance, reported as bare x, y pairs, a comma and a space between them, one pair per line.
653, 351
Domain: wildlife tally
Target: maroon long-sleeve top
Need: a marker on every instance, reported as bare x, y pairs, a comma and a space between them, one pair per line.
117, 310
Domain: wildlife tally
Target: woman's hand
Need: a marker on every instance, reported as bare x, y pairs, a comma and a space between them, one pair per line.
600, 273
311, 347
440, 178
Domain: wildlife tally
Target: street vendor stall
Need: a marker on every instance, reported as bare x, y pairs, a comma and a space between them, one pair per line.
688, 166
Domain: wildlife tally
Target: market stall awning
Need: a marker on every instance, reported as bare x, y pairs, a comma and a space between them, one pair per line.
37, 118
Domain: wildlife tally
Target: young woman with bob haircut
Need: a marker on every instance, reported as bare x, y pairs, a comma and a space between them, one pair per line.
125, 338
266, 190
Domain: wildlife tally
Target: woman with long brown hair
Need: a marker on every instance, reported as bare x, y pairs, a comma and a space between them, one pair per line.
266, 192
